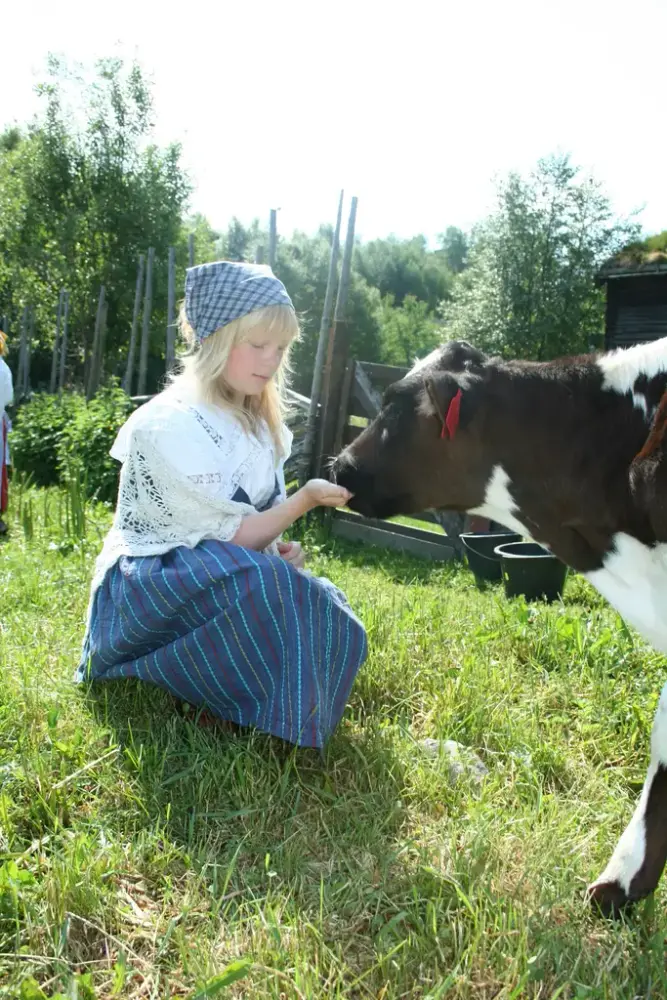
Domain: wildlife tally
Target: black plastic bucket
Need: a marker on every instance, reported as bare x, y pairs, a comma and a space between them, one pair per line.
480, 548
529, 569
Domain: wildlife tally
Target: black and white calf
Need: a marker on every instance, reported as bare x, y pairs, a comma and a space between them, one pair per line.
572, 453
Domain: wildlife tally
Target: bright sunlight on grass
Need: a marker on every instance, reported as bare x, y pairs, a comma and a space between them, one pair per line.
143, 854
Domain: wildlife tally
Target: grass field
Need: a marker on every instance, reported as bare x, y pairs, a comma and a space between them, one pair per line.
143, 855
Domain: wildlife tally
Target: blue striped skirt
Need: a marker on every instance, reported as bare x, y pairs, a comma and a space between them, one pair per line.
241, 633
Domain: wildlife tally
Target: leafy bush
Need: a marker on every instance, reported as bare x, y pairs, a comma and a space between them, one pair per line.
87, 439
55, 438
36, 434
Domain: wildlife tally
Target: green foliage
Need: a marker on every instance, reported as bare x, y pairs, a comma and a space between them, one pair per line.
37, 433
79, 203
657, 243
640, 250
455, 248
303, 264
87, 439
408, 331
231, 974
529, 290
80, 986
402, 268
16, 885
206, 239
64, 439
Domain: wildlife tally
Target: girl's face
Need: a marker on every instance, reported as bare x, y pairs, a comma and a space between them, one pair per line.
253, 363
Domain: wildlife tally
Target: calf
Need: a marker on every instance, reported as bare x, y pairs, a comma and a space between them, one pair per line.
572, 453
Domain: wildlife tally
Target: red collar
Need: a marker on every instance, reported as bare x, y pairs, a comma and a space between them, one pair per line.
451, 422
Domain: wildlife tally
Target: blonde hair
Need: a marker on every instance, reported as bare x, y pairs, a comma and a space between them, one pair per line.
202, 367
3, 343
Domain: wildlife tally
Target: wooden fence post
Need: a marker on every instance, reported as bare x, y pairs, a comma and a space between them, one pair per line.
191, 250
63, 345
337, 354
20, 374
56, 345
95, 360
309, 458
30, 335
103, 342
259, 254
273, 238
171, 310
146, 328
132, 349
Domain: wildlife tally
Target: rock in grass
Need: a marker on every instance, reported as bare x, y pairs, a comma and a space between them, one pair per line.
461, 760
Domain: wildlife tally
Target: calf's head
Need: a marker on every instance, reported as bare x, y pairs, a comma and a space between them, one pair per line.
424, 448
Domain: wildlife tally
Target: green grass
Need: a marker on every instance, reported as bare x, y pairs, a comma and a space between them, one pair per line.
142, 854
414, 522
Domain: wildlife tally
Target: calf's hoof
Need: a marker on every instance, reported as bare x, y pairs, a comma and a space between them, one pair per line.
611, 900
608, 898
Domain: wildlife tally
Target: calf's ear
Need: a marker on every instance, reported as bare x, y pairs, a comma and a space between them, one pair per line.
444, 399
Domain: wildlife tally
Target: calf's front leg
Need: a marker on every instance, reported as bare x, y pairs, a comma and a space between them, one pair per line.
637, 863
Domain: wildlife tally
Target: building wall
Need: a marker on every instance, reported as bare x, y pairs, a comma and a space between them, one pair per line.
636, 310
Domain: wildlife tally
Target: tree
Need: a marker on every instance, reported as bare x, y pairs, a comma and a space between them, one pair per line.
80, 202
405, 267
407, 332
529, 288
303, 264
206, 239
455, 249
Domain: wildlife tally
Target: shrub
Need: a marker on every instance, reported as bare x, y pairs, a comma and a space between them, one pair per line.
57, 437
36, 434
87, 439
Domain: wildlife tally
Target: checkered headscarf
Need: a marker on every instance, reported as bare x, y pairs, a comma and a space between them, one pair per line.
217, 293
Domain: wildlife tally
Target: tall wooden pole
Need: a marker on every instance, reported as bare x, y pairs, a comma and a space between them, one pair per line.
95, 360
171, 310
56, 344
132, 349
273, 238
20, 375
63, 345
191, 250
337, 353
309, 458
103, 341
146, 328
28, 349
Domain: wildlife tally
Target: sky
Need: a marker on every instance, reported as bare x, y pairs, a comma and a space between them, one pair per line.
416, 108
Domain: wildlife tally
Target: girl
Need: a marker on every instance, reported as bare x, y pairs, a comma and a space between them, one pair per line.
6, 399
193, 590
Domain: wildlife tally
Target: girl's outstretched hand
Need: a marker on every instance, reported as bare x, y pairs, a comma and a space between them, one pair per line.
256, 531
322, 493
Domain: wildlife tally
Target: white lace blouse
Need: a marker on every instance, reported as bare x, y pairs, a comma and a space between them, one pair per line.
6, 386
189, 472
